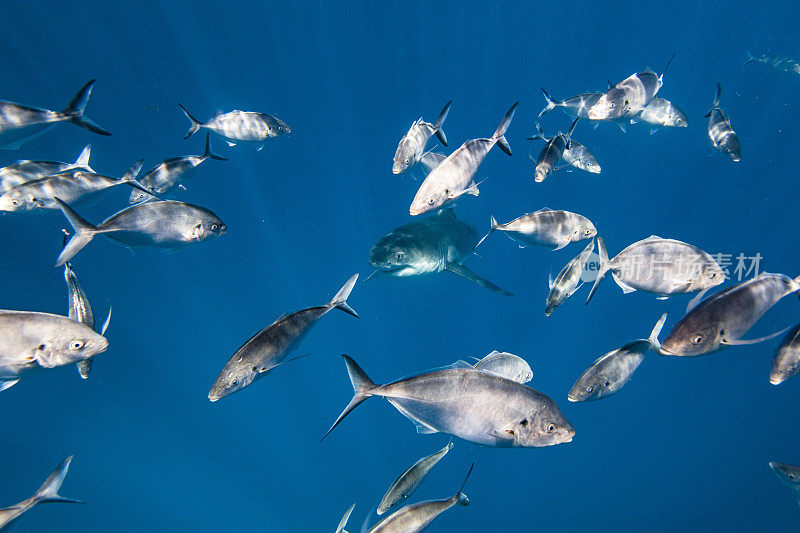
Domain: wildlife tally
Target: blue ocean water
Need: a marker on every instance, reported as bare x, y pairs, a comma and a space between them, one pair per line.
683, 447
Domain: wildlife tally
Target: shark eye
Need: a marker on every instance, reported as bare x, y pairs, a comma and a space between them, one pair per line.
76, 345
399, 256
697, 339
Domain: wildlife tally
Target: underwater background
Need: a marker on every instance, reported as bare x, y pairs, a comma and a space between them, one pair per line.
684, 446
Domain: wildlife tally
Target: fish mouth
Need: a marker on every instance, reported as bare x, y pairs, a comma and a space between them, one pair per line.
776, 379
397, 170
573, 398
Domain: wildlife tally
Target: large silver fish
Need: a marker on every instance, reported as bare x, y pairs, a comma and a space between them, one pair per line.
410, 480
433, 244
235, 126
506, 365
161, 223
552, 152
580, 157
24, 171
660, 112
628, 97
272, 345
723, 318
568, 280
81, 310
720, 131
661, 266
412, 146
21, 123
453, 177
783, 63
70, 186
789, 476
171, 172
545, 227
32, 341
470, 404
786, 362
575, 106
417, 517
47, 493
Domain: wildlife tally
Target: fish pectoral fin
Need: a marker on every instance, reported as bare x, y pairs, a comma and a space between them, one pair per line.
461, 270
265, 369
3, 386
260, 147
696, 300
742, 342
231, 143
662, 297
622, 285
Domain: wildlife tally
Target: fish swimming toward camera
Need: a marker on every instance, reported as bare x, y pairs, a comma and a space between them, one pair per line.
240, 126
410, 480
662, 113
158, 223
416, 517
552, 152
172, 172
575, 106
545, 227
47, 493
789, 476
32, 341
24, 170
628, 97
506, 365
477, 406
720, 131
271, 346
724, 317
786, 362
452, 178
433, 244
21, 123
412, 146
568, 280
786, 64
661, 266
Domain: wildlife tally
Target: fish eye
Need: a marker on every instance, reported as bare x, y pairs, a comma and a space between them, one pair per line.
406, 160
77, 345
697, 339
607, 383
14, 202
255, 369
399, 256
235, 382
447, 192
590, 389
510, 432
792, 477
41, 347
524, 423
214, 227
280, 128
551, 428
430, 201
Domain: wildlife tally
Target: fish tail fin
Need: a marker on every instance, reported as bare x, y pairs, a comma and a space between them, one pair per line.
83, 158
362, 387
196, 124
667, 66
655, 344
209, 152
499, 133
492, 226
74, 110
340, 300
48, 492
460, 497
569, 132
750, 58
84, 232
130, 178
716, 100
604, 267
551, 104
437, 128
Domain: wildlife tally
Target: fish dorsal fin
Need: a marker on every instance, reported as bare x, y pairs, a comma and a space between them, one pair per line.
654, 238
542, 210
458, 364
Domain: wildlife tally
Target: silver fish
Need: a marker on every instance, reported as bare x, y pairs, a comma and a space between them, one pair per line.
628, 97
417, 517
612, 371
433, 244
21, 123
81, 310
661, 266
506, 365
660, 112
575, 106
723, 318
171, 172
568, 280
789, 476
545, 227
269, 347
786, 362
412, 146
32, 341
161, 223
783, 63
552, 152
580, 157
236, 125
343, 522
470, 404
24, 171
722, 136
69, 185
410, 480
47, 493
453, 177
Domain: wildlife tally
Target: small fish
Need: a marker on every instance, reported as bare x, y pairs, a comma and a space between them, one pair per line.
580, 157
21, 123
417, 517
81, 310
412, 146
660, 112
410, 480
568, 280
506, 365
453, 177
160, 223
783, 63
470, 404
661, 266
269, 347
545, 227
612, 371
787, 357
720, 131
789, 476
343, 522
238, 125
628, 97
552, 152
723, 318
69, 185
575, 106
24, 171
172, 172
433, 244
32, 341
47, 493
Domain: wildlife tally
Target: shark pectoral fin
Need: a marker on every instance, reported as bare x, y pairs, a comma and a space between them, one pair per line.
422, 429
7, 385
742, 342
461, 270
